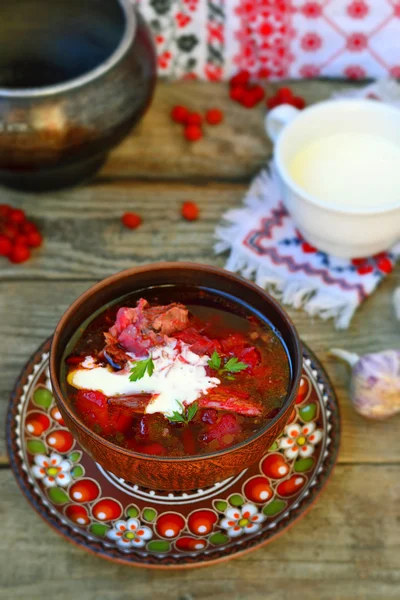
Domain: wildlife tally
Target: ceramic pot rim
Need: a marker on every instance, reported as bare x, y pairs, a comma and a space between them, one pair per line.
297, 364
77, 82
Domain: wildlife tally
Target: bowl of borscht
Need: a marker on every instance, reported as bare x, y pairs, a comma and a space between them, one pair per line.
175, 376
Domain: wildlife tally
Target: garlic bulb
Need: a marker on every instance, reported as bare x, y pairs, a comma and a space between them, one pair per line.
375, 382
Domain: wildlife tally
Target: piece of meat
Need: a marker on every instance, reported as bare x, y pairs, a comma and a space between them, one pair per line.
135, 402
199, 344
113, 353
138, 329
173, 320
224, 399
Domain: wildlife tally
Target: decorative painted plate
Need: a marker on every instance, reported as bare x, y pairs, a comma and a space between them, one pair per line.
122, 521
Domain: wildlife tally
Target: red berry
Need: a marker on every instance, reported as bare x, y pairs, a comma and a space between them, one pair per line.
298, 102
194, 118
5, 245
17, 215
28, 227
19, 254
285, 95
35, 239
307, 248
241, 78
249, 101
179, 114
131, 220
190, 211
5, 210
193, 133
21, 240
365, 269
10, 231
384, 264
272, 102
358, 262
258, 93
214, 116
237, 93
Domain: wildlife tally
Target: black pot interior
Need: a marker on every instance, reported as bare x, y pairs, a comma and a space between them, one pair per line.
48, 42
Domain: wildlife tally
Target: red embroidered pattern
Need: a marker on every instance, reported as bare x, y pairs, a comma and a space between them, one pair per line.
264, 37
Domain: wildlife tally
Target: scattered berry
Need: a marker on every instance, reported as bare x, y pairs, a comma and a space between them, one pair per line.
34, 239
28, 227
272, 102
258, 93
285, 95
17, 216
190, 211
193, 133
21, 240
249, 101
237, 93
5, 245
365, 269
131, 220
179, 114
19, 254
384, 264
298, 102
194, 118
241, 78
214, 116
10, 231
5, 210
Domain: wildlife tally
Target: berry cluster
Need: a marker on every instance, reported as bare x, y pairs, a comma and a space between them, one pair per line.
17, 234
285, 96
193, 121
244, 92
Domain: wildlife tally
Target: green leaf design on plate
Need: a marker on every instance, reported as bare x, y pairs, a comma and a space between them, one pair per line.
36, 447
308, 412
303, 464
274, 507
219, 538
220, 505
132, 511
273, 447
158, 546
42, 397
77, 471
57, 495
149, 514
98, 529
236, 500
75, 456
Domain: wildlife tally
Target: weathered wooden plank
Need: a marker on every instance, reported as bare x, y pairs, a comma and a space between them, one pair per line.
235, 150
30, 311
346, 548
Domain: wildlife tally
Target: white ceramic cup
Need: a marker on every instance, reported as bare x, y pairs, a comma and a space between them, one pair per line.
346, 231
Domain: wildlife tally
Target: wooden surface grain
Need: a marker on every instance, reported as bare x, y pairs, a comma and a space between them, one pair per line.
348, 546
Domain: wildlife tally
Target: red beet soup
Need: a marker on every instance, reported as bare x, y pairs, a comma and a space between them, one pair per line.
176, 371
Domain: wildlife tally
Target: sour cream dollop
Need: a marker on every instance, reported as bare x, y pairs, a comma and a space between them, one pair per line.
179, 375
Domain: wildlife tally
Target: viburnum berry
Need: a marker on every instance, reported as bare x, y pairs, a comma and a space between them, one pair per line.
34, 239
365, 269
298, 102
19, 254
285, 95
237, 93
241, 78
193, 133
5, 245
131, 220
384, 264
272, 102
214, 116
5, 210
194, 118
190, 211
17, 216
249, 101
179, 114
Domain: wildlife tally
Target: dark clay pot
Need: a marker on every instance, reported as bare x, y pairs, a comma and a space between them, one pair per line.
177, 473
75, 77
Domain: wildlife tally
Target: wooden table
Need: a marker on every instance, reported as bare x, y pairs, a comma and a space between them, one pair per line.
348, 546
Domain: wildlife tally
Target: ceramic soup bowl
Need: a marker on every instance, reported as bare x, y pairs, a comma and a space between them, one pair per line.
163, 472
75, 77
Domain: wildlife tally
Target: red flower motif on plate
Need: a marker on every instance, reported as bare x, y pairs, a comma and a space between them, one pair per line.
355, 72
311, 42
311, 10
308, 71
357, 42
358, 9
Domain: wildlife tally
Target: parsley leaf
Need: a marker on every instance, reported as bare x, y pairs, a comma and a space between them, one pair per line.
139, 369
187, 413
231, 366
215, 361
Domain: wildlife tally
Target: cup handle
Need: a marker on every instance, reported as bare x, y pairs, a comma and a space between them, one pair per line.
277, 119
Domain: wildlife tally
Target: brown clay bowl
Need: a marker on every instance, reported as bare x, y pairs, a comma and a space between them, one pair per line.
174, 473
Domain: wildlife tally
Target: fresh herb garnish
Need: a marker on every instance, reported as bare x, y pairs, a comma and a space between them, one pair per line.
231, 366
139, 369
187, 413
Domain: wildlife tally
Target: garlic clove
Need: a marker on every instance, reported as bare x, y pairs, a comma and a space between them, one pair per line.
375, 382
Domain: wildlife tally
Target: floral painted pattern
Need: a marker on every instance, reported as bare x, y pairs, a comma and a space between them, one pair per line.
52, 470
130, 533
246, 519
298, 440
